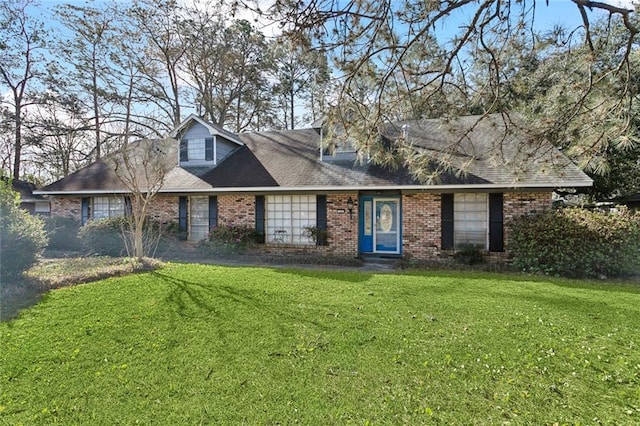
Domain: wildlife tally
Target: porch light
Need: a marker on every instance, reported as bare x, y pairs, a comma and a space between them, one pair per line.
350, 207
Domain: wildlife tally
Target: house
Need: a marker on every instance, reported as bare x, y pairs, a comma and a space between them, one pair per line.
33, 203
282, 182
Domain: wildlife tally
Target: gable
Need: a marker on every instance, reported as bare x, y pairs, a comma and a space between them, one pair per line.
200, 147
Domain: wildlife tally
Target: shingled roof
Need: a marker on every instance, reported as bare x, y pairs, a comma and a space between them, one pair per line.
494, 157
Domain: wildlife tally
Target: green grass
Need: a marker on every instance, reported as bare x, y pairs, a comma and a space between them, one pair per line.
196, 344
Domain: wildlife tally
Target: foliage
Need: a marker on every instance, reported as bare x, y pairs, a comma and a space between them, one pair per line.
319, 236
62, 233
443, 348
229, 239
22, 236
109, 236
103, 237
469, 254
577, 243
576, 86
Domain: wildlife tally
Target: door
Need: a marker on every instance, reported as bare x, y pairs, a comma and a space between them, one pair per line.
380, 229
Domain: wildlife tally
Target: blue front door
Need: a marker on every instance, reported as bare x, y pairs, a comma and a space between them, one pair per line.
379, 225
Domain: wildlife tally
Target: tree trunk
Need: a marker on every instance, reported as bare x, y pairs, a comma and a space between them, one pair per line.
18, 143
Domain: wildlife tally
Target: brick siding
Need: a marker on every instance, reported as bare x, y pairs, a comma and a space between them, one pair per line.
238, 210
69, 207
421, 226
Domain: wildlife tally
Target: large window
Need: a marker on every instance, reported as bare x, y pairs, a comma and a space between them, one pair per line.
287, 217
106, 207
470, 219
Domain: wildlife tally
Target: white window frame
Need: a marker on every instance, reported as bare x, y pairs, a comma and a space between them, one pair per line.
287, 216
198, 220
115, 207
196, 149
471, 219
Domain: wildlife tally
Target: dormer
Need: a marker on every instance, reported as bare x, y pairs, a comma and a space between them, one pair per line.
202, 143
339, 148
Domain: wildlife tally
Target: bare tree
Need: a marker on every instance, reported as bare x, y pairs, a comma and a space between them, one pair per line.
142, 166
22, 40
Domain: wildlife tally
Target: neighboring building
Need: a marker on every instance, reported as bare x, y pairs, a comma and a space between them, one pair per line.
34, 204
281, 182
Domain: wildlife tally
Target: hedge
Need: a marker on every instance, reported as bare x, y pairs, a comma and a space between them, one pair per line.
577, 243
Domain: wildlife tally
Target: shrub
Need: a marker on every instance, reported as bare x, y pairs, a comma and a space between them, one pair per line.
103, 236
229, 239
22, 236
107, 236
319, 236
577, 243
63, 233
469, 254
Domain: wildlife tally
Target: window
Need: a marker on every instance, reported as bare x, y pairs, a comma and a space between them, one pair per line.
470, 219
197, 150
106, 207
198, 218
287, 217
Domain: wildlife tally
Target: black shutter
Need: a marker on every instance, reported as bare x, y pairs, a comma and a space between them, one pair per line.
260, 217
208, 149
213, 212
496, 219
127, 206
85, 210
446, 217
184, 150
321, 219
182, 217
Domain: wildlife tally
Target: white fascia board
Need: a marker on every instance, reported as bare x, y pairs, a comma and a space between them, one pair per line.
83, 192
214, 131
411, 188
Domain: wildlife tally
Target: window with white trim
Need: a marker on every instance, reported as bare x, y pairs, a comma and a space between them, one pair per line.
196, 149
198, 218
470, 219
106, 207
287, 216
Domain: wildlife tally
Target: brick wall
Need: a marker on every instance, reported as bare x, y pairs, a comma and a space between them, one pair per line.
164, 209
421, 229
342, 228
421, 226
239, 210
70, 207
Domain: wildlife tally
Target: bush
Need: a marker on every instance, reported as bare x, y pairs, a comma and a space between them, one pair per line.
469, 254
63, 233
229, 239
107, 236
577, 243
104, 237
22, 236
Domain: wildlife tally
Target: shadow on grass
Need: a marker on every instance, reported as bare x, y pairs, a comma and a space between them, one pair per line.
327, 274
19, 295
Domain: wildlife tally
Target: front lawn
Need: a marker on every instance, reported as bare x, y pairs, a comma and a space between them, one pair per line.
198, 344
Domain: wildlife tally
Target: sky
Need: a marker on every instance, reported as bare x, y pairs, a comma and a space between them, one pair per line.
557, 12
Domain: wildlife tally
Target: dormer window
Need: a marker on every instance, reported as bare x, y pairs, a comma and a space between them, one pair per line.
203, 144
197, 149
